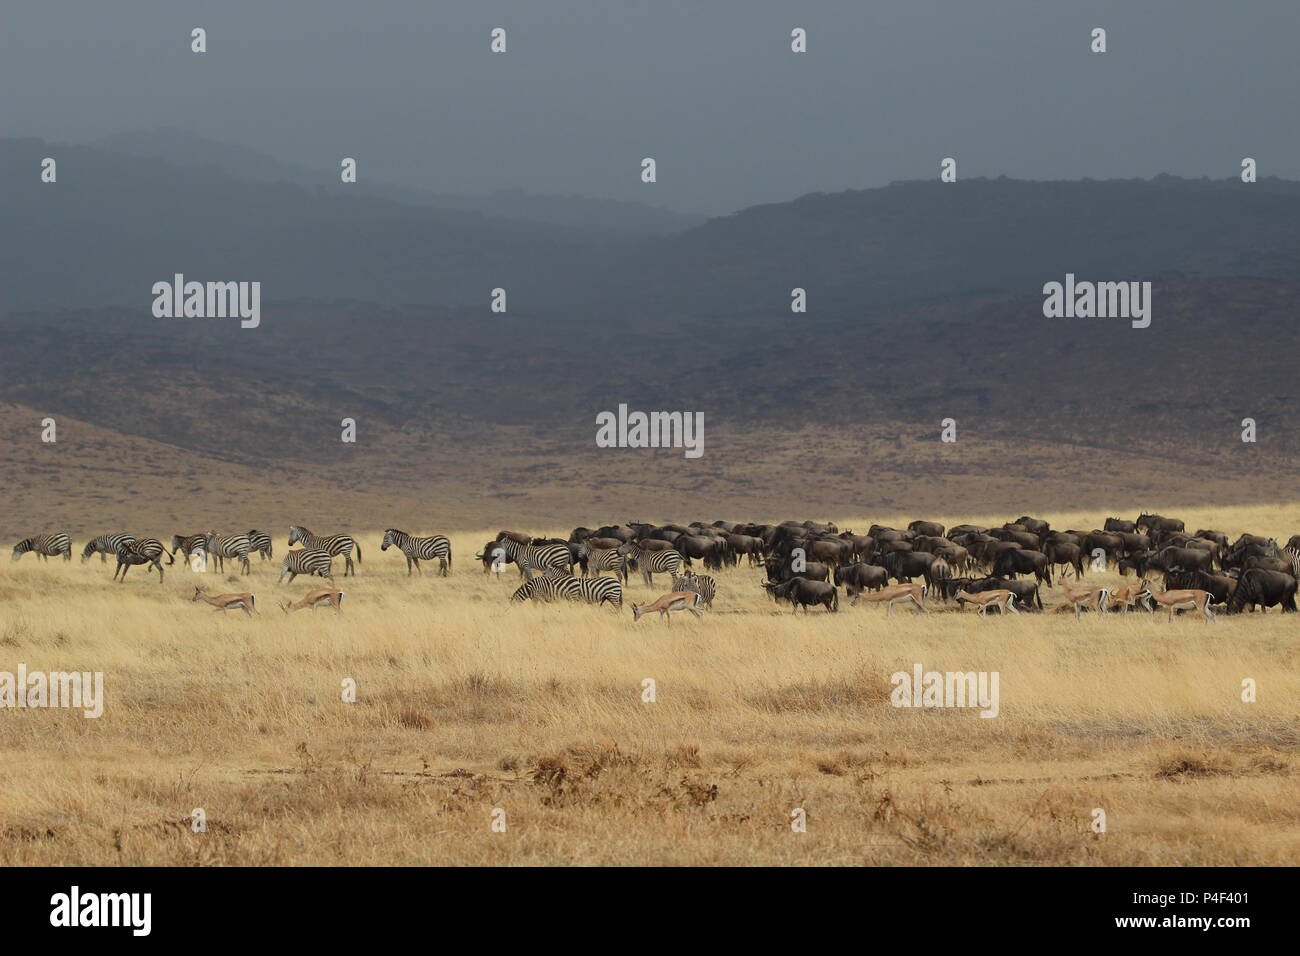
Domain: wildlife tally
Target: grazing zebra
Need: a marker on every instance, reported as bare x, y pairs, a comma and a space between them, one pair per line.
106, 544
595, 560
145, 551
701, 584
599, 591
652, 562
552, 585
333, 543
307, 561
222, 546
260, 542
534, 558
419, 549
45, 545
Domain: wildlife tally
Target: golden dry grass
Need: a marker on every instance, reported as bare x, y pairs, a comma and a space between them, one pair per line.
465, 704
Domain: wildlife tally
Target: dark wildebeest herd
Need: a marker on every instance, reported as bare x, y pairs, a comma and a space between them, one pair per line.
806, 563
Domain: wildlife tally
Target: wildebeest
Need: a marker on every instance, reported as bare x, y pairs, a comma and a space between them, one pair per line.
1220, 586
905, 565
932, 528
1262, 588
857, 578
802, 593
1066, 554
1118, 524
782, 569
1023, 561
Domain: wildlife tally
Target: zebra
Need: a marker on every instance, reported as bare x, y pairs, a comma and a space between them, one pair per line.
45, 545
701, 584
419, 549
595, 560
600, 590
106, 544
260, 542
553, 584
307, 561
333, 543
187, 544
222, 546
144, 551
531, 557
652, 562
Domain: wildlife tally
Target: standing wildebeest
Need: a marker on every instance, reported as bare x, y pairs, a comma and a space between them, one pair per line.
1182, 559
746, 544
706, 547
1263, 588
1157, 525
1111, 545
1119, 524
1220, 586
1064, 553
857, 578
1026, 592
782, 569
801, 592
905, 565
1023, 561
932, 528
1037, 525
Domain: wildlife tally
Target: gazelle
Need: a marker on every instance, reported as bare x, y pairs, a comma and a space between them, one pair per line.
224, 602
1128, 596
321, 597
1191, 599
1082, 596
666, 605
1000, 598
895, 593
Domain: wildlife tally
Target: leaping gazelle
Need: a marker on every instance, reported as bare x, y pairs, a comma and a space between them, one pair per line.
321, 597
224, 602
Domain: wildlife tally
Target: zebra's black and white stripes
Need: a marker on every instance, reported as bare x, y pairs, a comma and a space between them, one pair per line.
556, 584
537, 558
419, 549
701, 584
260, 542
222, 546
147, 551
307, 561
652, 562
45, 545
595, 560
106, 544
333, 543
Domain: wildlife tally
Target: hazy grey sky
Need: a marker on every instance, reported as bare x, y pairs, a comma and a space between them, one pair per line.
710, 89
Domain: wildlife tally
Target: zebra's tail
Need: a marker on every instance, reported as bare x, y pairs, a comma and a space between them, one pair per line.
358, 544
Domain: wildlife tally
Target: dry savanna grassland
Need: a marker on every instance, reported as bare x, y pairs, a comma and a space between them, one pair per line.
466, 705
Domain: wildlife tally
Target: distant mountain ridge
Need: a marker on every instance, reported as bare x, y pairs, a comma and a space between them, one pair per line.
113, 224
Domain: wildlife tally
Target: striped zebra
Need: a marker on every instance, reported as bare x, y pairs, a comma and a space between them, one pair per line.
701, 584
187, 544
222, 546
45, 545
531, 557
652, 562
556, 584
333, 543
307, 561
419, 549
147, 551
551, 585
260, 542
106, 544
595, 560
